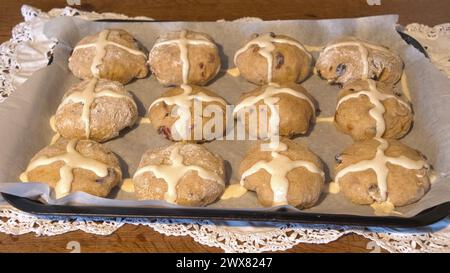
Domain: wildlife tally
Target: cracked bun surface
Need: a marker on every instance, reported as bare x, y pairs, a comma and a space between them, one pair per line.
95, 109
275, 58
290, 174
379, 170
184, 57
112, 54
75, 165
291, 103
349, 59
368, 109
183, 173
178, 116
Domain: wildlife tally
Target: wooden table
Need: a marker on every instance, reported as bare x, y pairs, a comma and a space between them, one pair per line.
142, 239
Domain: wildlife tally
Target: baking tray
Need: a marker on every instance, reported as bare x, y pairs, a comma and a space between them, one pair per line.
426, 217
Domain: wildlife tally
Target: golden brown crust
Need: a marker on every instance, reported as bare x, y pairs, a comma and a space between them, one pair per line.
353, 118
166, 65
304, 188
108, 115
83, 180
192, 190
404, 186
296, 114
345, 63
161, 117
290, 64
117, 64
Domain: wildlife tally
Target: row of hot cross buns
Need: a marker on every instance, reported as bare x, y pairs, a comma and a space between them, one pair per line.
376, 169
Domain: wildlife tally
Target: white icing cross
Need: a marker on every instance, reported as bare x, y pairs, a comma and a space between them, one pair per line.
363, 50
375, 97
184, 102
378, 165
278, 168
72, 160
100, 50
176, 171
182, 43
265, 42
268, 96
87, 96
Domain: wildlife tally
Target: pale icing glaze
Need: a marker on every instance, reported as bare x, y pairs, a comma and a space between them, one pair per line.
433, 177
324, 119
234, 72
87, 97
53, 123
333, 188
173, 173
384, 208
143, 120
378, 165
363, 50
55, 138
72, 159
266, 42
315, 71
100, 50
405, 88
184, 101
376, 98
268, 96
278, 168
310, 48
182, 42
233, 191
127, 185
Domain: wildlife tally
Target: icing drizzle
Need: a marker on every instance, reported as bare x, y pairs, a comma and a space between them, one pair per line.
184, 101
363, 50
87, 97
265, 42
100, 50
72, 159
324, 119
378, 165
268, 96
405, 88
233, 191
278, 168
376, 98
182, 43
172, 174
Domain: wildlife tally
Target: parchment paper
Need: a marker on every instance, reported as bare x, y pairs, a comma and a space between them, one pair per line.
24, 117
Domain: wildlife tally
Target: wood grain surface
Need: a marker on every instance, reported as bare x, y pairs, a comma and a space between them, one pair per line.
131, 238
429, 12
142, 239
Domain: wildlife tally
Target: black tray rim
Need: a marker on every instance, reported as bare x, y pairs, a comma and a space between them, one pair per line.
424, 218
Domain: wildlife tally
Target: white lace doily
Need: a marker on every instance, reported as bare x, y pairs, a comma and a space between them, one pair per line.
436, 40
29, 50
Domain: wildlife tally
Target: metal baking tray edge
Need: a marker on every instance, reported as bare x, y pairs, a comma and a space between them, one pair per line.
424, 218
